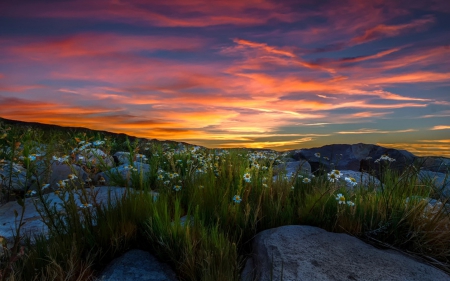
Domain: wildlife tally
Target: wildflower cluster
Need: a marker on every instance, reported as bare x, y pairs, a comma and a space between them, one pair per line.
341, 200
334, 175
63, 183
351, 181
384, 157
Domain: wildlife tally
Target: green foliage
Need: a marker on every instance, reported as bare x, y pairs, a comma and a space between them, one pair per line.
216, 237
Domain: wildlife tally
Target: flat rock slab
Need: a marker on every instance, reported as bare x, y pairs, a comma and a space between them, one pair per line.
137, 265
310, 253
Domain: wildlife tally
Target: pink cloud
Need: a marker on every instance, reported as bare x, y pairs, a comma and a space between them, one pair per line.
383, 30
95, 44
175, 13
256, 87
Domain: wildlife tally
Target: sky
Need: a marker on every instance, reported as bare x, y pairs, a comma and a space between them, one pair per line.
280, 75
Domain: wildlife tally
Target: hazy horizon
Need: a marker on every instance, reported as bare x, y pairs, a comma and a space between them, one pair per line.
280, 75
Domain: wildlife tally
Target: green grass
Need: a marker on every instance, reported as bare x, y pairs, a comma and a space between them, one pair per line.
213, 243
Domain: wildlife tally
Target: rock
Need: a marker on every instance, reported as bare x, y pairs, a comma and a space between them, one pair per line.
432, 206
363, 179
44, 170
403, 161
298, 252
343, 156
124, 157
33, 222
15, 177
302, 167
355, 157
95, 156
292, 167
61, 172
435, 164
125, 172
137, 265
441, 181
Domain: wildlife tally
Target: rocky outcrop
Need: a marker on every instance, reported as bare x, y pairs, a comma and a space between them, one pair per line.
403, 161
309, 253
357, 157
137, 265
335, 156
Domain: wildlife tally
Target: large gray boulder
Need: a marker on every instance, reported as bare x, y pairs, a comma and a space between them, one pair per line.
33, 223
404, 160
137, 265
335, 156
309, 253
356, 157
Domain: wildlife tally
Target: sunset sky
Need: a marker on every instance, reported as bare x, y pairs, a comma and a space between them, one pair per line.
264, 74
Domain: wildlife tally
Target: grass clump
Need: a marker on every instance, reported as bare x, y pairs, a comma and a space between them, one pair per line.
194, 208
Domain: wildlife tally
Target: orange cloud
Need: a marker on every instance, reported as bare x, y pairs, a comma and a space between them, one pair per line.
415, 77
264, 47
374, 131
441, 127
439, 148
369, 114
266, 145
